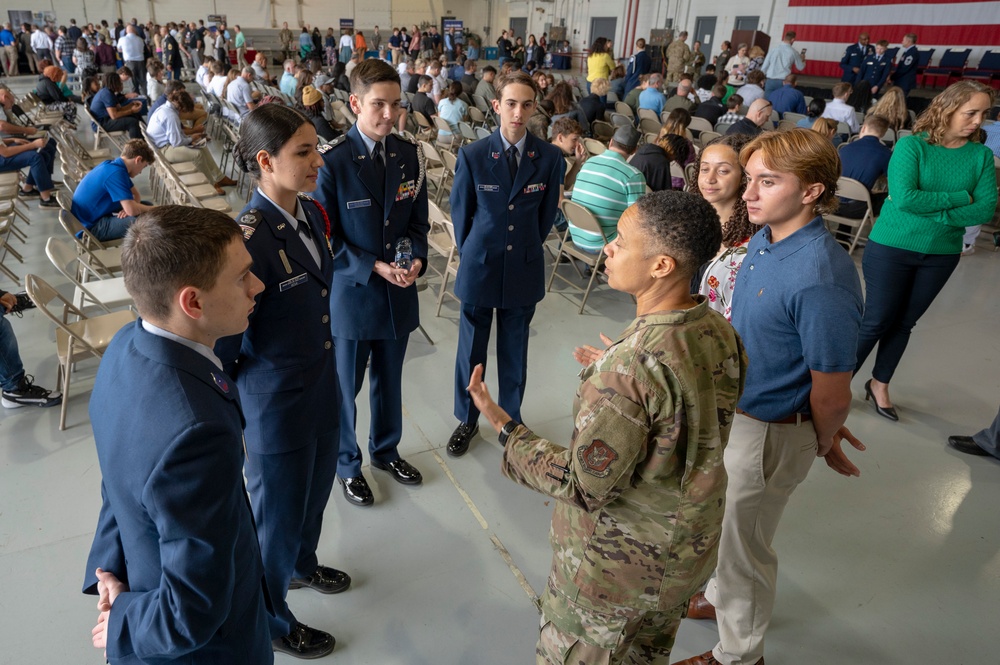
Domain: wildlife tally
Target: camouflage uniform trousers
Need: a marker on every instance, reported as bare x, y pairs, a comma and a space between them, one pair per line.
613, 635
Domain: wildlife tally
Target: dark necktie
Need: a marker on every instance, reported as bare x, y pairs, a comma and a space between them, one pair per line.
307, 239
512, 162
379, 163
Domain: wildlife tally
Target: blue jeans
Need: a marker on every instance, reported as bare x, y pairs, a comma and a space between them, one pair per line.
39, 164
11, 369
111, 227
67, 63
772, 84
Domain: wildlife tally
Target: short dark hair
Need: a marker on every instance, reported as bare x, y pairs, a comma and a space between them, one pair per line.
515, 78
489, 69
170, 247
269, 128
183, 99
756, 77
173, 85
566, 126
138, 148
369, 72
681, 225
877, 124
734, 101
719, 90
112, 82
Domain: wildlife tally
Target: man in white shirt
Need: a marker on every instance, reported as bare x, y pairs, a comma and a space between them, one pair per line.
133, 53
239, 94
839, 110
41, 44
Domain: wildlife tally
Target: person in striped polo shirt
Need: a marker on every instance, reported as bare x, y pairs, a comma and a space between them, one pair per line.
606, 186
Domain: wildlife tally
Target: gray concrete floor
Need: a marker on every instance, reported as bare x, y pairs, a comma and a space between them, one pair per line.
899, 566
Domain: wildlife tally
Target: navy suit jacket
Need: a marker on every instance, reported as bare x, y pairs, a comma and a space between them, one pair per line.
364, 227
638, 64
500, 225
905, 75
854, 56
874, 71
175, 524
284, 363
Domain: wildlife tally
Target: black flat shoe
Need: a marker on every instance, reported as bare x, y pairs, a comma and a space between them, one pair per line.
324, 580
889, 413
305, 642
965, 444
356, 491
402, 471
460, 439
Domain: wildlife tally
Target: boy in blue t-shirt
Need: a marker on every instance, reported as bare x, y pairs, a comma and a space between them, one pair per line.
106, 202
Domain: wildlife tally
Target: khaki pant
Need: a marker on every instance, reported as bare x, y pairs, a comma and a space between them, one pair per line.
10, 59
617, 636
765, 463
200, 156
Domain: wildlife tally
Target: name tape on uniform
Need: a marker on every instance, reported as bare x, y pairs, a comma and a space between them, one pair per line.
488, 188
291, 283
364, 203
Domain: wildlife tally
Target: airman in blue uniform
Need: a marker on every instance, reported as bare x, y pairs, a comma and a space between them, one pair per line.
285, 366
175, 559
372, 185
854, 56
876, 67
905, 75
503, 203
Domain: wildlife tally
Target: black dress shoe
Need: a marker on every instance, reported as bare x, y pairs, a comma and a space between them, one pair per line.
458, 444
356, 491
889, 413
305, 642
324, 580
965, 444
401, 471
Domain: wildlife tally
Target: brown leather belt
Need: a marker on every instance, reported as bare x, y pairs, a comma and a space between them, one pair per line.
793, 419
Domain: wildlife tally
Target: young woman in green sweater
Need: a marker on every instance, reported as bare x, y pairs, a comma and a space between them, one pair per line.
940, 182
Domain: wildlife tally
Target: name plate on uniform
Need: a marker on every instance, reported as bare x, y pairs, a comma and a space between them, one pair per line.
407, 190
291, 283
488, 188
364, 203
538, 187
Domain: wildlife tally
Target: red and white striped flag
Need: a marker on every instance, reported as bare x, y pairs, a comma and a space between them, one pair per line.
827, 27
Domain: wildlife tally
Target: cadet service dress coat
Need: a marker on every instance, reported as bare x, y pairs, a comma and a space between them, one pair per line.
371, 317
285, 367
175, 524
500, 226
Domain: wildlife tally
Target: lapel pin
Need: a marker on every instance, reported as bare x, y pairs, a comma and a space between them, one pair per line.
495, 155
281, 226
361, 156
531, 154
392, 154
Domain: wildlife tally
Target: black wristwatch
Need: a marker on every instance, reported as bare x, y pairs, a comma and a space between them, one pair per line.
507, 430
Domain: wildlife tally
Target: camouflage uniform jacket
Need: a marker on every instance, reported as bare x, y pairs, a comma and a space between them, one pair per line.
678, 56
642, 486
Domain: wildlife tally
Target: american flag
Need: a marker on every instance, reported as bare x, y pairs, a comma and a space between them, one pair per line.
827, 27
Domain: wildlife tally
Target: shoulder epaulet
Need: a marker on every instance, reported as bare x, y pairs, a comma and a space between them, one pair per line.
327, 147
305, 197
249, 221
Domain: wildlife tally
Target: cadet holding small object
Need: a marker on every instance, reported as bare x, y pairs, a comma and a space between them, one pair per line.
285, 367
372, 184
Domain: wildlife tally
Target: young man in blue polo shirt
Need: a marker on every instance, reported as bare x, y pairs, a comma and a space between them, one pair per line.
797, 306
106, 202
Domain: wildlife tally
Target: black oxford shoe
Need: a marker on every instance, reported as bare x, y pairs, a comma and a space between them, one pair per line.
401, 471
356, 491
324, 580
965, 444
460, 439
305, 642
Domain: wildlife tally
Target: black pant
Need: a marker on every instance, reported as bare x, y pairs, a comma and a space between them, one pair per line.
138, 68
129, 123
899, 287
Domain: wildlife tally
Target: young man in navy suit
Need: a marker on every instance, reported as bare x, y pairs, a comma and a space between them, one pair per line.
175, 559
372, 186
503, 203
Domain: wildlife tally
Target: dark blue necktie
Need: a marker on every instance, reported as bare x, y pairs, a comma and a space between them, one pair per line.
512, 162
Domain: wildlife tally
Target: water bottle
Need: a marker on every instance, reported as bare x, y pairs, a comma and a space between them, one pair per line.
404, 253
